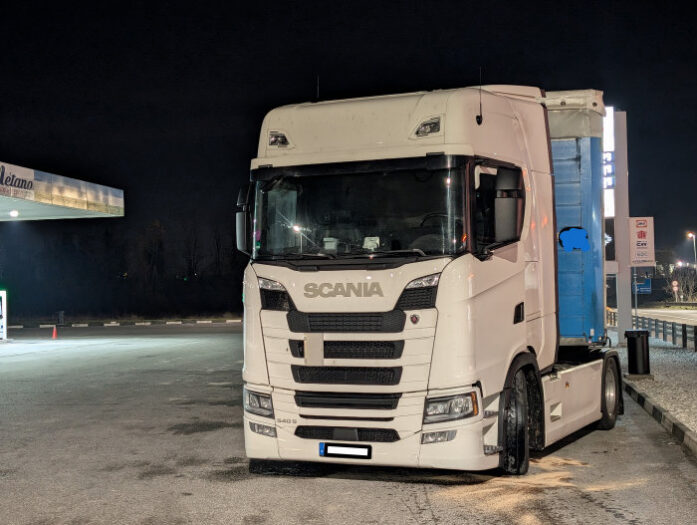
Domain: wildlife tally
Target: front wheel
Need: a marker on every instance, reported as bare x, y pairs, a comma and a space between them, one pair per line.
610, 395
515, 457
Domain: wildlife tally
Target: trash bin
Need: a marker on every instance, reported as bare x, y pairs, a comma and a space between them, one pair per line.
637, 351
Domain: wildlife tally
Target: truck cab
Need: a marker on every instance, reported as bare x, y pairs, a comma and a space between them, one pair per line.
401, 301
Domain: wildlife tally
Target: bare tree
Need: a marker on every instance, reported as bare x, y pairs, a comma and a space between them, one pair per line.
153, 253
218, 250
193, 254
687, 284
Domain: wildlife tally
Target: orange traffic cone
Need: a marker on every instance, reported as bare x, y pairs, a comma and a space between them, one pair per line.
55, 333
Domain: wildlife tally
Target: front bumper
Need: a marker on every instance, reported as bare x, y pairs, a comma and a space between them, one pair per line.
464, 452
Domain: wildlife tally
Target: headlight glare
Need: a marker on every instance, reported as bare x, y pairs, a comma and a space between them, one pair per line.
451, 408
256, 403
268, 284
424, 282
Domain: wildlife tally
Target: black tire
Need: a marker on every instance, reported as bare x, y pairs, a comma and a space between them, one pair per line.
609, 395
515, 457
258, 466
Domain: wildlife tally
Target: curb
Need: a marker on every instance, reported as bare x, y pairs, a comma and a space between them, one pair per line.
683, 435
111, 324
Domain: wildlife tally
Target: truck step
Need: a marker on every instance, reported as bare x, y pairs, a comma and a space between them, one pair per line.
490, 450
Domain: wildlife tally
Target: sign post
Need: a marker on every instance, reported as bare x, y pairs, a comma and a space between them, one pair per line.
641, 248
644, 287
641, 245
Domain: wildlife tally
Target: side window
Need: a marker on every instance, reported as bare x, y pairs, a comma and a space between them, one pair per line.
499, 205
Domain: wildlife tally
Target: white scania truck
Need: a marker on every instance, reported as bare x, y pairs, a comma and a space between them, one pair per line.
401, 305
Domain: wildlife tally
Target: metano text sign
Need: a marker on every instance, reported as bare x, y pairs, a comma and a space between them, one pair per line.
641, 249
29, 195
16, 181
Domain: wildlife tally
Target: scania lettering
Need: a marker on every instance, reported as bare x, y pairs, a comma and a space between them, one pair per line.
409, 300
345, 290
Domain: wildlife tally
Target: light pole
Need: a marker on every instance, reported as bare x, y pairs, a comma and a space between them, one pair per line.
691, 235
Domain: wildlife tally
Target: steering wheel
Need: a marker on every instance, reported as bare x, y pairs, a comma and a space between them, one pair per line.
428, 216
442, 216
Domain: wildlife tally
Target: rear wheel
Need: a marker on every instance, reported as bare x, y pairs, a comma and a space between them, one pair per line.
516, 450
610, 395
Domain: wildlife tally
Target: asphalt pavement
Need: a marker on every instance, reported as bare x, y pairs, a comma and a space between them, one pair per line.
142, 425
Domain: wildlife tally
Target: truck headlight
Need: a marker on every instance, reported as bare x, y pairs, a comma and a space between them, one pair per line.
268, 284
273, 295
256, 403
424, 282
450, 408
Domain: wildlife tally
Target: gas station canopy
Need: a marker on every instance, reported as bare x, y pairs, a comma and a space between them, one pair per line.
27, 195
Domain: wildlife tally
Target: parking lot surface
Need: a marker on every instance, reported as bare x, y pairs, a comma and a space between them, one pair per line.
143, 425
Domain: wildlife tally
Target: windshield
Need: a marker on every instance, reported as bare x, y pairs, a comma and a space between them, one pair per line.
398, 212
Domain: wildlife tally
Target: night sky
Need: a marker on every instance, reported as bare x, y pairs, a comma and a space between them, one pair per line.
166, 100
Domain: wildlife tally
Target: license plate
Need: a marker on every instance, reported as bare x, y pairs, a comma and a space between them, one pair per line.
340, 450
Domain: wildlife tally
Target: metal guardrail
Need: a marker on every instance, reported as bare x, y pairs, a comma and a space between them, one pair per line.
679, 334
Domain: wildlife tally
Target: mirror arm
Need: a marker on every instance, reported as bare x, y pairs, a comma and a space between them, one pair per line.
484, 254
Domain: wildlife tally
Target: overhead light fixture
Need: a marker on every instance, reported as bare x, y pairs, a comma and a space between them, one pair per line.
276, 138
14, 214
428, 127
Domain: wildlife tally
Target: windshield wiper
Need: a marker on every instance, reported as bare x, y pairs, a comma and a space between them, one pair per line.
390, 253
296, 256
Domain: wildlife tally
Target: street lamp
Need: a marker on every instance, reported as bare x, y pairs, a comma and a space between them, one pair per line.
691, 235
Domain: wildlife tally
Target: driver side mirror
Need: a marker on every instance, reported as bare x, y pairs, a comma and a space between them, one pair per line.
242, 222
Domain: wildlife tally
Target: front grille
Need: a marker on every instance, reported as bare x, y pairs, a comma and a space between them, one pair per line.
387, 322
353, 349
339, 400
347, 375
417, 298
375, 435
